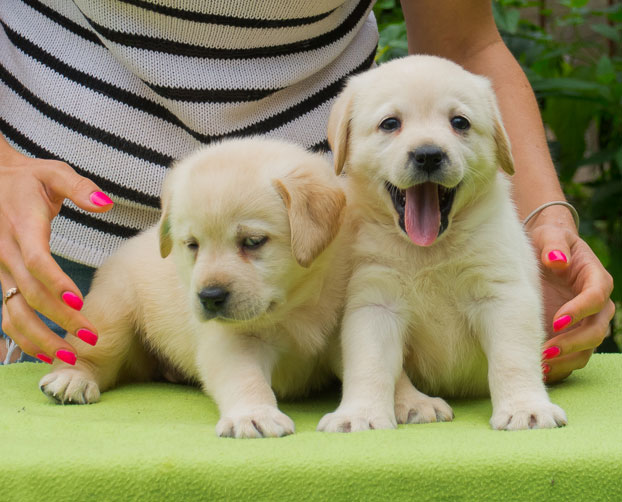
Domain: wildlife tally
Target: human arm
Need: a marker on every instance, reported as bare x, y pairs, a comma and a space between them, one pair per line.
579, 287
31, 194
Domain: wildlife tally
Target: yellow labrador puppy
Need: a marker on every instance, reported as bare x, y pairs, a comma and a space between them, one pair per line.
445, 288
239, 289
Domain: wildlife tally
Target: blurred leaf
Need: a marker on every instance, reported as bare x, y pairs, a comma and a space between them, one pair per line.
392, 42
614, 13
574, 4
607, 200
569, 119
607, 31
384, 5
600, 248
602, 156
571, 87
506, 18
605, 72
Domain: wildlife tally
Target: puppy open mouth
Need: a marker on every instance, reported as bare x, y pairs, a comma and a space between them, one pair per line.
423, 210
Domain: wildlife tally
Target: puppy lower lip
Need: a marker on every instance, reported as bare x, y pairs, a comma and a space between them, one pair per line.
445, 199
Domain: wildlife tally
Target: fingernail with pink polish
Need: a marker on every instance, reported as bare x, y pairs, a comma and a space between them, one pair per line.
562, 322
72, 300
100, 199
557, 255
546, 369
551, 352
66, 356
44, 358
87, 336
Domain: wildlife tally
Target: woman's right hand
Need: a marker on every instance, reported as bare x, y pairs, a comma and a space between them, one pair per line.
31, 194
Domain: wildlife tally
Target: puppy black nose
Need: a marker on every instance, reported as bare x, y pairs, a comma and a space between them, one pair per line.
428, 158
213, 298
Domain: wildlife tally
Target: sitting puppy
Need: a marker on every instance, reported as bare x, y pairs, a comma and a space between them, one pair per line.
245, 296
445, 286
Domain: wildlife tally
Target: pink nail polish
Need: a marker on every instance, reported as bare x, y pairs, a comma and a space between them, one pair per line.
562, 322
87, 336
557, 255
44, 358
66, 356
546, 369
551, 352
100, 199
72, 300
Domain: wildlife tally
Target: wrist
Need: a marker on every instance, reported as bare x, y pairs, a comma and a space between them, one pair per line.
557, 215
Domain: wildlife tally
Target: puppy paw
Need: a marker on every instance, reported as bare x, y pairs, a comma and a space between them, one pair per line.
422, 409
70, 386
354, 420
263, 421
528, 415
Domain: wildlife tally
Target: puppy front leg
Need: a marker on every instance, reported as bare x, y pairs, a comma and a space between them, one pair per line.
512, 343
235, 371
372, 347
415, 407
100, 367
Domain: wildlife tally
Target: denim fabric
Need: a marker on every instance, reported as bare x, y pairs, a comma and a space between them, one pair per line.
82, 276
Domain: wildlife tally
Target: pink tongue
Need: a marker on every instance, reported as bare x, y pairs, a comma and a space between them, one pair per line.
422, 214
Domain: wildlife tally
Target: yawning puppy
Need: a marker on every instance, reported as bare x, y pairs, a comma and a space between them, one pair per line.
239, 288
445, 284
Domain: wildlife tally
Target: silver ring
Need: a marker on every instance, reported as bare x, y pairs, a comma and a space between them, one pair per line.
10, 294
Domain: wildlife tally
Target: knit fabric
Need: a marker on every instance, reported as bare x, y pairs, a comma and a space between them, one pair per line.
120, 89
156, 441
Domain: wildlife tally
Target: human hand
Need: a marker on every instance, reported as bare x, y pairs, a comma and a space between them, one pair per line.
576, 290
31, 194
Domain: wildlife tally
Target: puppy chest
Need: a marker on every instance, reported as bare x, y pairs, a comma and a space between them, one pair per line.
443, 351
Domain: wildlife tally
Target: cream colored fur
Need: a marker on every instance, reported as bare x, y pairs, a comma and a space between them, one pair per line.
461, 317
285, 296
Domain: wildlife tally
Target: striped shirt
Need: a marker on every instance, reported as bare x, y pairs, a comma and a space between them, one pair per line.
120, 89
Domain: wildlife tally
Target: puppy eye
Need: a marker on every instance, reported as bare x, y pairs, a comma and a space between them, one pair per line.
460, 123
192, 244
254, 242
390, 124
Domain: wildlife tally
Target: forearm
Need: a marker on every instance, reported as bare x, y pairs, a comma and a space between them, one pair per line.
450, 34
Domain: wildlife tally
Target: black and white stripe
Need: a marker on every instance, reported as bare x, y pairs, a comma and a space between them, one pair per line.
121, 89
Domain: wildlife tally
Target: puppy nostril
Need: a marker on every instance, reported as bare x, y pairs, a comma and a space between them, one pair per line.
213, 298
428, 158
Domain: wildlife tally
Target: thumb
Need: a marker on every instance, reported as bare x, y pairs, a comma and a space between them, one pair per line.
555, 250
65, 183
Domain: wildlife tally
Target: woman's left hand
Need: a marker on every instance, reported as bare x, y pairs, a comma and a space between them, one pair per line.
576, 292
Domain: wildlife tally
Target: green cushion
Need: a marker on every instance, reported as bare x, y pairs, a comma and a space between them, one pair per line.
157, 442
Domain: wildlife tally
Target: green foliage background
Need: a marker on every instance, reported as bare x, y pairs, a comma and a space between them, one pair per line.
571, 51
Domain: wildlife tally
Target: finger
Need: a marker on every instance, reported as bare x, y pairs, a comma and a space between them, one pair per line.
562, 368
586, 336
555, 248
29, 329
24, 343
30, 255
59, 309
591, 300
35, 260
64, 182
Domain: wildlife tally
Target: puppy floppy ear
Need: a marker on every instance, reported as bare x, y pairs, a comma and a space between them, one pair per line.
166, 241
504, 152
315, 211
502, 142
339, 127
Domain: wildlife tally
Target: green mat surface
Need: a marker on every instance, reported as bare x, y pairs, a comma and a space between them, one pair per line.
157, 442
